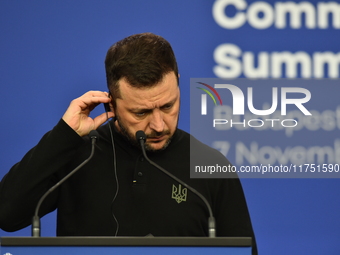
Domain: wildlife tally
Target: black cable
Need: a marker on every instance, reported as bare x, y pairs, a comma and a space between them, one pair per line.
114, 162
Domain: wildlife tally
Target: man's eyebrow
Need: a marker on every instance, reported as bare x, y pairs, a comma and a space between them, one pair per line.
136, 109
139, 109
171, 102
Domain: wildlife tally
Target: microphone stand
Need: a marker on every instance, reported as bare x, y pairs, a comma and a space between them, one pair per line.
141, 137
36, 219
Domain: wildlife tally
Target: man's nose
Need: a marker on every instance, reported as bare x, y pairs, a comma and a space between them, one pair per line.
156, 121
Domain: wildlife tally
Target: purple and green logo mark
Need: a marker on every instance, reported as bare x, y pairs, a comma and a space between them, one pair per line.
204, 97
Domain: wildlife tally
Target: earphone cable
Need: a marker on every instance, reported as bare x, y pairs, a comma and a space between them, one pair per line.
115, 173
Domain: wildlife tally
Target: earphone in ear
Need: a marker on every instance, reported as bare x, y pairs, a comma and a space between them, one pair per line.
107, 107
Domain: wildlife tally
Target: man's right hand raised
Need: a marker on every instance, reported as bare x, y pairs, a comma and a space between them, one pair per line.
77, 114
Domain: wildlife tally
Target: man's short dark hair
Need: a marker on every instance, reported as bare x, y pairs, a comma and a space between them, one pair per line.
141, 59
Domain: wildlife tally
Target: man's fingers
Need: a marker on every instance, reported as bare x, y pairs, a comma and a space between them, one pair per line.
77, 114
89, 100
100, 120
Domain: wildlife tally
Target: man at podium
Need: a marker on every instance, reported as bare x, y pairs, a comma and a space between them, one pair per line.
119, 192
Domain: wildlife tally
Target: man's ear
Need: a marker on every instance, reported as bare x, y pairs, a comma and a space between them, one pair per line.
112, 108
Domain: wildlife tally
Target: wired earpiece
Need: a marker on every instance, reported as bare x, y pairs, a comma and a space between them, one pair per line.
108, 109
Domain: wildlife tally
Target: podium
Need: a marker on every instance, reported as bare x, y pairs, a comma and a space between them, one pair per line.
125, 245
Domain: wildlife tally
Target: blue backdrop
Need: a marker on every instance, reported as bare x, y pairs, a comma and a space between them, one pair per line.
53, 51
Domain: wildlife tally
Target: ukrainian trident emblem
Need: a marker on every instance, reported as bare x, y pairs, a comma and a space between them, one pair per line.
179, 194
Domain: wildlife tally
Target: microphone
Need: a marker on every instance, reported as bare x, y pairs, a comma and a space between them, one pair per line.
141, 137
36, 220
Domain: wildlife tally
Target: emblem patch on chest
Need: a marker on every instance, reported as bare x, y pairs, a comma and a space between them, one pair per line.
179, 194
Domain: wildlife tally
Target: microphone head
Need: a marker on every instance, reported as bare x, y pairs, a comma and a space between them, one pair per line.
140, 135
94, 134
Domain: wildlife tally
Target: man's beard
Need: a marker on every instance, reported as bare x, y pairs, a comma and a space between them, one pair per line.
132, 137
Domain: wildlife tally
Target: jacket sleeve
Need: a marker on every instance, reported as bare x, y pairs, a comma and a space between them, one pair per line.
25, 183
